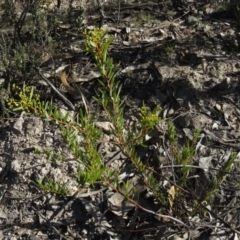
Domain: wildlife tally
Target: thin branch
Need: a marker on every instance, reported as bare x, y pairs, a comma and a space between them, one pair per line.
147, 210
66, 101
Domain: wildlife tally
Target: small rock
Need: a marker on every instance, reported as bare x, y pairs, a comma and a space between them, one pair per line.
192, 21
34, 126
64, 112
48, 140
200, 121
171, 112
218, 107
15, 166
105, 126
17, 126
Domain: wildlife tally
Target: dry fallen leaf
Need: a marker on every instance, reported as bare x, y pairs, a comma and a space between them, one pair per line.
171, 195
